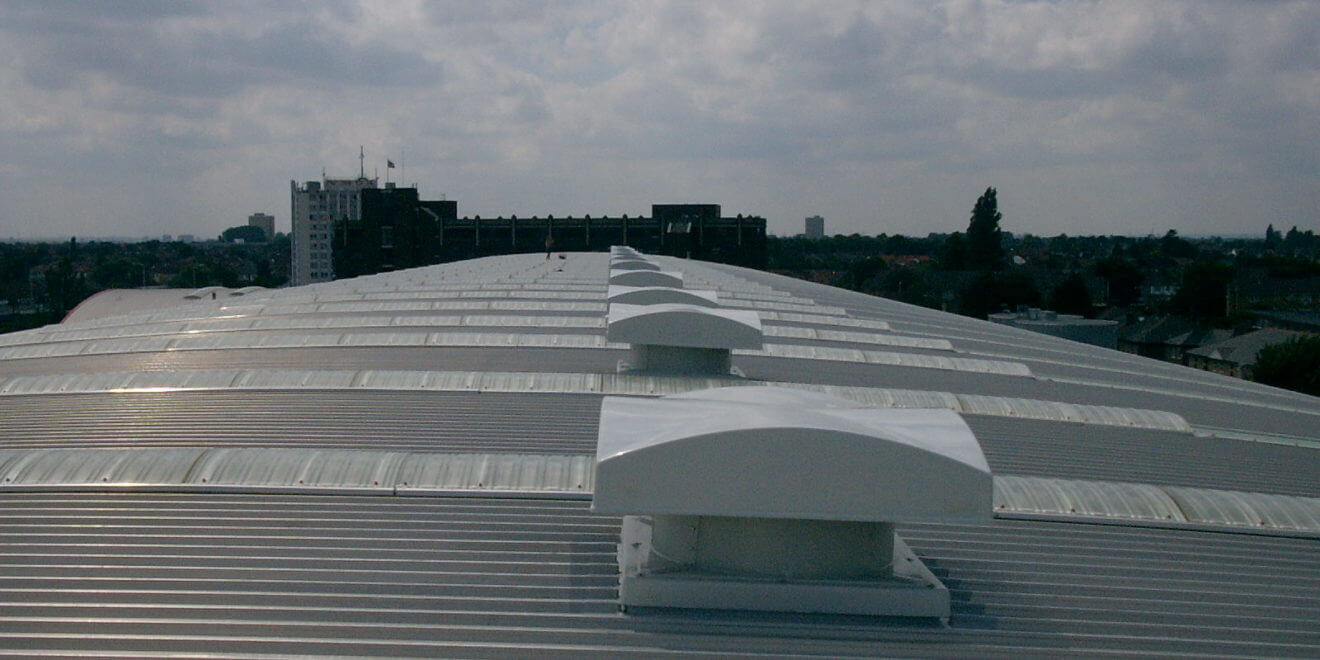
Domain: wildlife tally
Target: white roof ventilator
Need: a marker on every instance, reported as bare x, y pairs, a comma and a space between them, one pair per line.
756, 498
632, 263
659, 295
682, 338
646, 278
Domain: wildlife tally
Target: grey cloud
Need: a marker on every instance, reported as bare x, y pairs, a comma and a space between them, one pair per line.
220, 62
810, 108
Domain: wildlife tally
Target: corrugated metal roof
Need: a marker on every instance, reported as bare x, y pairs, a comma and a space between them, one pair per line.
1165, 504
227, 574
325, 471
628, 384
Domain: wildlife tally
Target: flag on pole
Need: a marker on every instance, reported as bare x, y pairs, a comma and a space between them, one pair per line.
389, 164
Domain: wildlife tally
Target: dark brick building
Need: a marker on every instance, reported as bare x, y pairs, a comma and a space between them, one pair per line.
397, 230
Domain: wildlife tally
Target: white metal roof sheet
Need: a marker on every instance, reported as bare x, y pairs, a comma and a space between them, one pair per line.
289, 468
1084, 498
1247, 510
81, 467
1038, 587
623, 384
572, 475
516, 473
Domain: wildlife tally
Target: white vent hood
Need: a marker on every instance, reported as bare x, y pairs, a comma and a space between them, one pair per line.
681, 338
646, 278
660, 295
632, 263
778, 499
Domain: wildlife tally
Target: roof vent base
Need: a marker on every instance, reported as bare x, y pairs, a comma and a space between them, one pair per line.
652, 358
817, 567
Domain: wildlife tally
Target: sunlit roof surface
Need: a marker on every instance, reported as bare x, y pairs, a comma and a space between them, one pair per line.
400, 465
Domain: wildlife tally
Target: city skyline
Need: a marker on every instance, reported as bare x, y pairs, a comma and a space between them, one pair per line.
144, 119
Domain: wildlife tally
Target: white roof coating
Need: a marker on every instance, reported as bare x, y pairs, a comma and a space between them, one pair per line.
400, 465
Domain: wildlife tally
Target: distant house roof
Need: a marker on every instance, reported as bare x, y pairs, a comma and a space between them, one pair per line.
1307, 321
1171, 331
1199, 337
1154, 329
1243, 349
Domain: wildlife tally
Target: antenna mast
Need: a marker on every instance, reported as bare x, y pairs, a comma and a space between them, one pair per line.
362, 169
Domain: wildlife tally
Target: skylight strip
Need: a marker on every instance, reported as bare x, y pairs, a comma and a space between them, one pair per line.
572, 476
571, 383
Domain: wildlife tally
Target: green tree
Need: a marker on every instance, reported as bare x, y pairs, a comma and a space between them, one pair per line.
995, 292
860, 274
984, 250
245, 233
1124, 279
1071, 296
1293, 365
1203, 294
1174, 246
1272, 237
953, 254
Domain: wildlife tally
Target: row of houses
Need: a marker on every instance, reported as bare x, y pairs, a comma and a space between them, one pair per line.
1177, 340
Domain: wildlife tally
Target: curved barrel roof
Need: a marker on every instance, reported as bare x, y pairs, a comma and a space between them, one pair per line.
401, 465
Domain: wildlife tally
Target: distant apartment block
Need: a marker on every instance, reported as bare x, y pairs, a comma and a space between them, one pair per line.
815, 227
316, 207
264, 222
351, 227
696, 231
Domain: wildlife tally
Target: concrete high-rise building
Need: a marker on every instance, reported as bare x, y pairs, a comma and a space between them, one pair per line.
815, 227
265, 222
316, 206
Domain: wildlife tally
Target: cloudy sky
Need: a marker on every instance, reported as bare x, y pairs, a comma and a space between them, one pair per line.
142, 117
